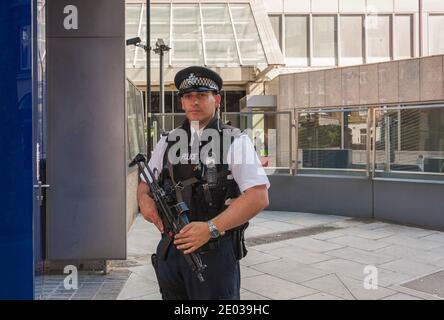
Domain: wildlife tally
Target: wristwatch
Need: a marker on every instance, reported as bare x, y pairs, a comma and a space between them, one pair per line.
214, 232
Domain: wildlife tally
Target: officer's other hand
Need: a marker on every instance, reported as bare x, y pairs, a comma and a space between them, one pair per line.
149, 212
192, 237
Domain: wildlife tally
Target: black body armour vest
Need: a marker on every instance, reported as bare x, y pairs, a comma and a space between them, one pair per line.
205, 200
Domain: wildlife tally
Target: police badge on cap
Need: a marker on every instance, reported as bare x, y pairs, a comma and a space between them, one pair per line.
197, 79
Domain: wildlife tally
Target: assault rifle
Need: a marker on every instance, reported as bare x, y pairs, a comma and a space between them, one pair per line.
174, 217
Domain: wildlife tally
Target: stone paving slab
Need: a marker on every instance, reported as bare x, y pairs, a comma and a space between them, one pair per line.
327, 265
137, 286
360, 256
275, 288
432, 284
359, 243
313, 245
298, 254
290, 270
248, 295
319, 296
342, 266
400, 251
255, 257
328, 235
407, 266
367, 234
401, 296
408, 241
347, 288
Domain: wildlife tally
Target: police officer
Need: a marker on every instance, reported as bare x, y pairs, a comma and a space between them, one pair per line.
219, 210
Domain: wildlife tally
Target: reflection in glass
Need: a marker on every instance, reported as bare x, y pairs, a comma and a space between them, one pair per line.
187, 35
135, 125
436, 34
403, 36
410, 141
378, 37
181, 27
324, 40
276, 24
219, 38
250, 45
351, 39
296, 40
332, 140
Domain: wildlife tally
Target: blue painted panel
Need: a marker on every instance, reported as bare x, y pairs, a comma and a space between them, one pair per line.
16, 191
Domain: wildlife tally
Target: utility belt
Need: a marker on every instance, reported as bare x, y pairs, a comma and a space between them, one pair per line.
235, 235
214, 244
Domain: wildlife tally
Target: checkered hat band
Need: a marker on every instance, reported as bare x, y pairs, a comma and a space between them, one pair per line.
198, 82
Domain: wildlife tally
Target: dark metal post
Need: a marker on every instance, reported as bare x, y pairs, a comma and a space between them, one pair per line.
148, 79
160, 49
162, 91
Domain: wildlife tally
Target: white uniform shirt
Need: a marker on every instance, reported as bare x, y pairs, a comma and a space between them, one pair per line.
242, 161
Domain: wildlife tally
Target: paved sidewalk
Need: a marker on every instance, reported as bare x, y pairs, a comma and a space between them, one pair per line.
309, 256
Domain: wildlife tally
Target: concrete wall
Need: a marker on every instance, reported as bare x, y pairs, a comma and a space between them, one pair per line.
409, 203
418, 204
350, 197
86, 131
404, 81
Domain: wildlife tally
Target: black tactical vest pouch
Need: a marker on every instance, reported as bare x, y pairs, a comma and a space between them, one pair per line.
240, 250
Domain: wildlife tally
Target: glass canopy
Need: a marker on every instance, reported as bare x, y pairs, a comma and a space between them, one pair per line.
212, 34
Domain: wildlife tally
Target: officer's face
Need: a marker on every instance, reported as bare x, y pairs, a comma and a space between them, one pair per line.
200, 106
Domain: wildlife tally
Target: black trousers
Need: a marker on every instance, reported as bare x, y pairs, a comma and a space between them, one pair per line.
222, 275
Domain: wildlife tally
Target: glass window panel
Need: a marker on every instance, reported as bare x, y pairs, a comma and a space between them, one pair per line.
168, 101
187, 36
132, 14
131, 30
219, 38
410, 143
130, 51
241, 13
215, 31
403, 36
160, 13
187, 52
276, 23
140, 122
221, 53
332, 142
296, 40
378, 37
233, 98
324, 40
155, 102
351, 40
160, 28
132, 127
250, 45
215, 13
436, 34
177, 103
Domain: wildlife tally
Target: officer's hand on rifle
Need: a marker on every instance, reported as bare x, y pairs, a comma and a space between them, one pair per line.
148, 207
192, 237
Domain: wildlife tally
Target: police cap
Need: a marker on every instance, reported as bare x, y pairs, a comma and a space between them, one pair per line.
197, 79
